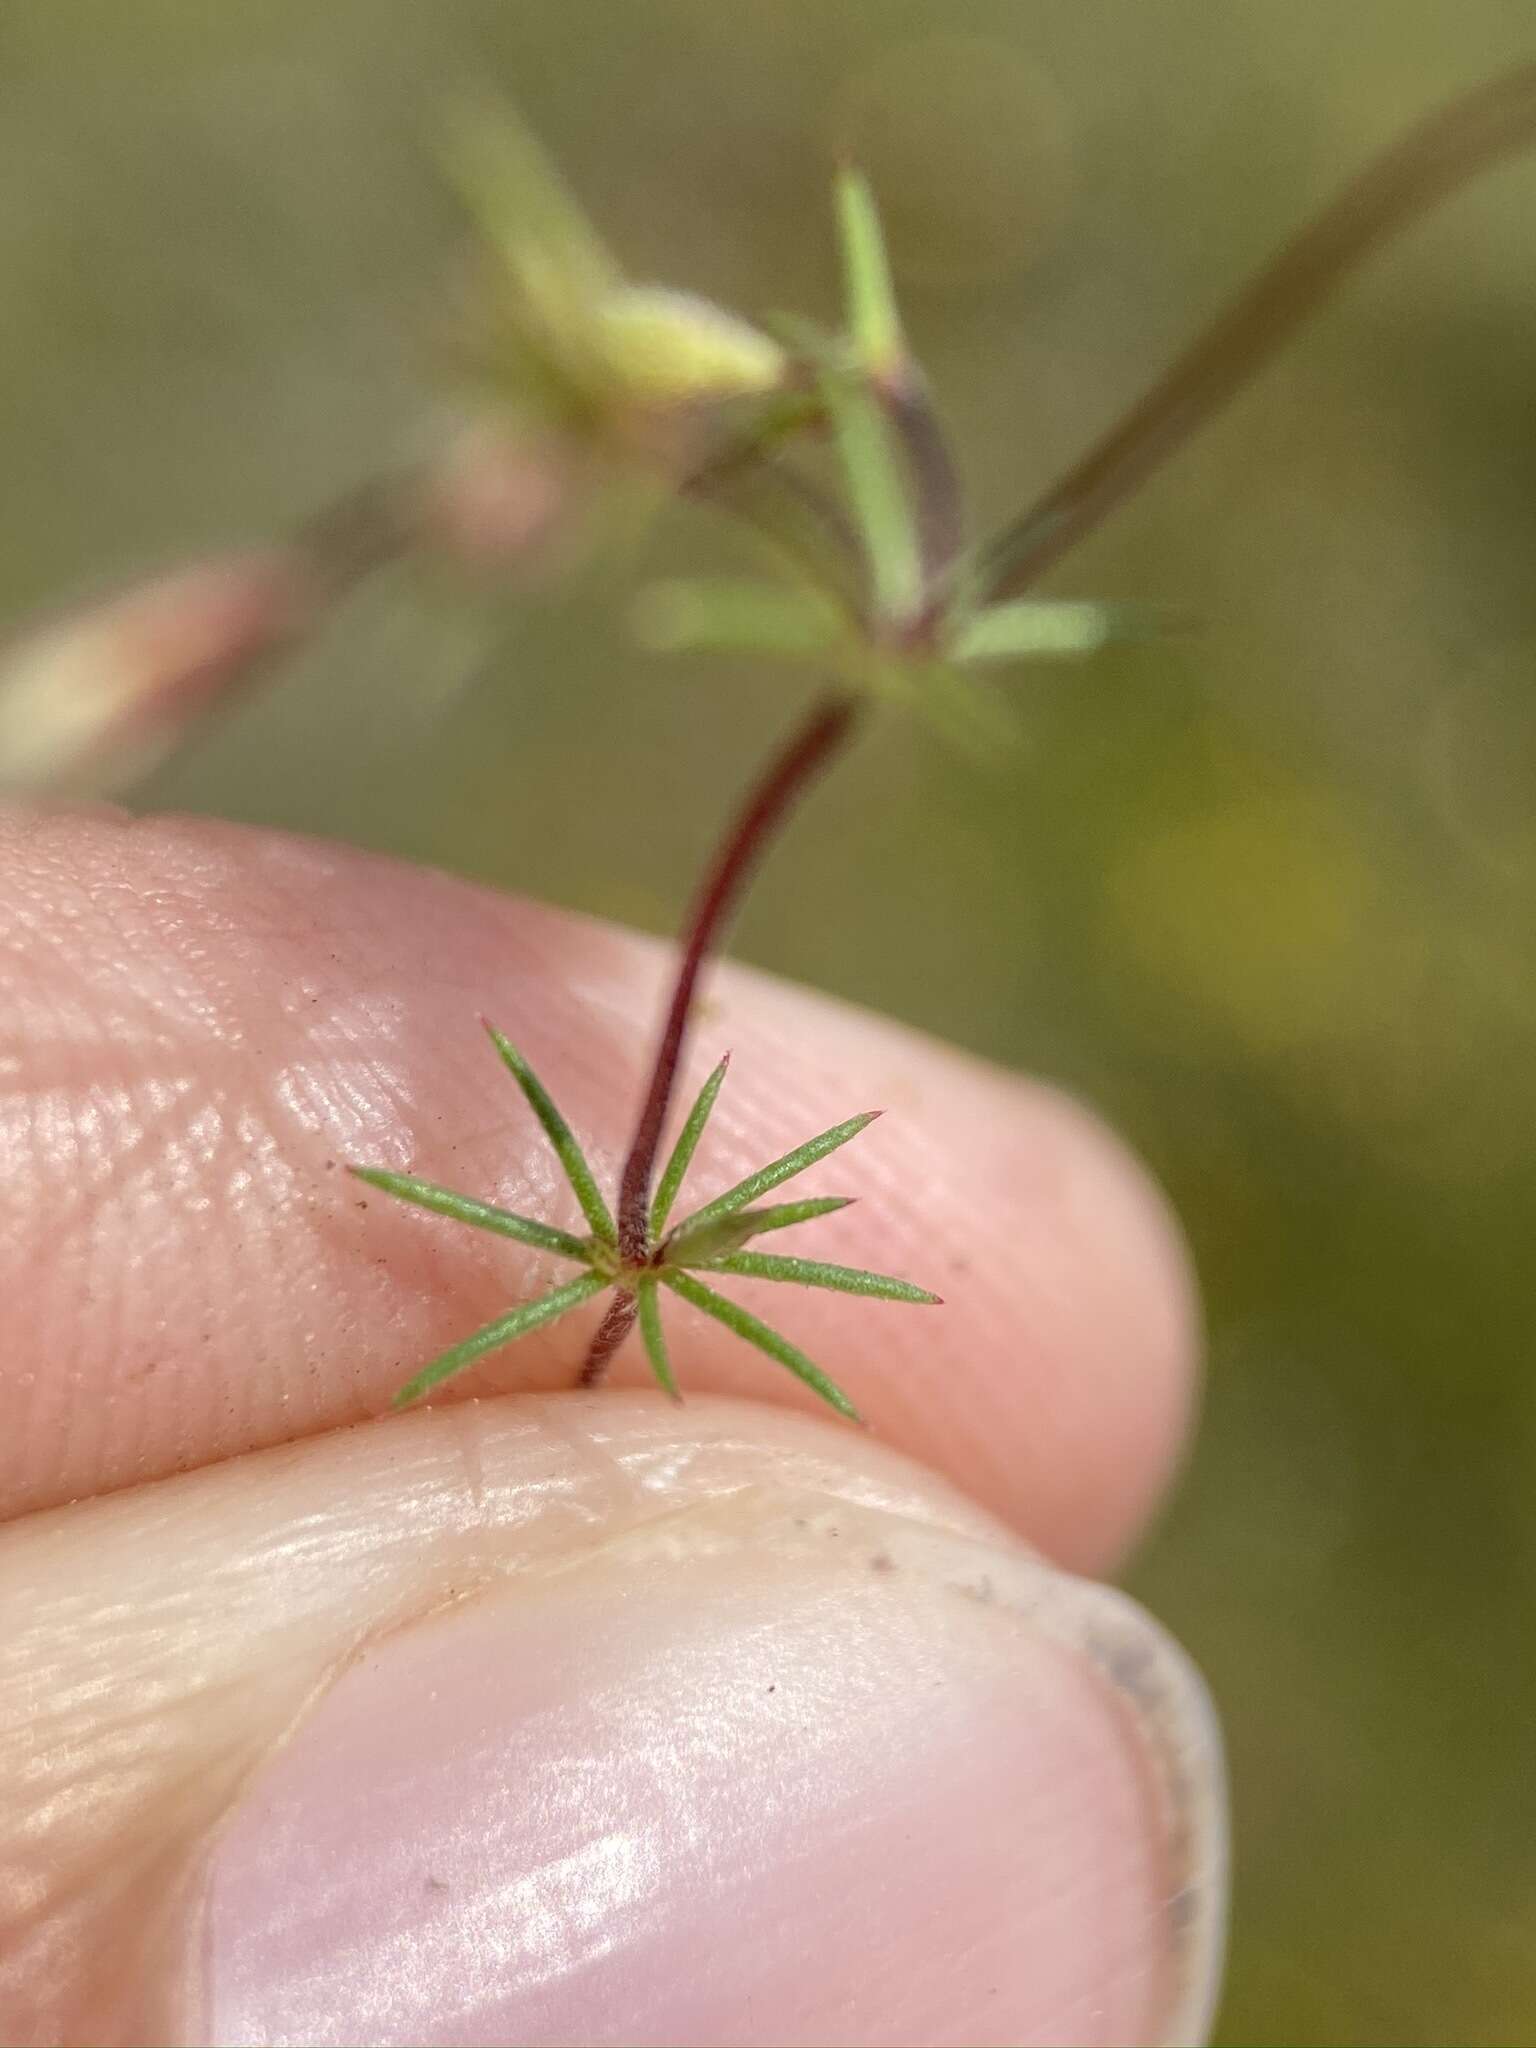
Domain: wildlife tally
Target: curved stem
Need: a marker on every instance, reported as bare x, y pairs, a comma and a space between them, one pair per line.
808, 750
1430, 162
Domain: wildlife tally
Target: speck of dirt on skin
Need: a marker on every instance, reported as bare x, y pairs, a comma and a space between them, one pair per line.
773, 1688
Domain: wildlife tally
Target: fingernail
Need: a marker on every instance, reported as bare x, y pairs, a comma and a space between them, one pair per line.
768, 1771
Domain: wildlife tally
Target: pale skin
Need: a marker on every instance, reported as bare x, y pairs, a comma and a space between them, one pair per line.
840, 1803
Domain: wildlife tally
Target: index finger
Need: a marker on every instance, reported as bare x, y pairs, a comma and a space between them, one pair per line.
204, 1024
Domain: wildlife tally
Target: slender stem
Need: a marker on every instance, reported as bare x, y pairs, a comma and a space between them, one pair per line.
616, 1325
808, 750
936, 486
752, 483
1428, 164
360, 532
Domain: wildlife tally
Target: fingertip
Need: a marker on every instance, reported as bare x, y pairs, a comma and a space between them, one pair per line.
245, 1009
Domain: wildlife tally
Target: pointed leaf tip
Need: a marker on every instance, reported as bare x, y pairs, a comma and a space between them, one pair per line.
817, 1273
871, 299
687, 1144
426, 1194
744, 1324
561, 1137
772, 1175
504, 1330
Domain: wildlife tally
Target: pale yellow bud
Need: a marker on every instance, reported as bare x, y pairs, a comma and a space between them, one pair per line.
667, 347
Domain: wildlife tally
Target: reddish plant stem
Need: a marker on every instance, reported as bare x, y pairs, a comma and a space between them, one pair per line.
936, 486
806, 753
1435, 157
616, 1325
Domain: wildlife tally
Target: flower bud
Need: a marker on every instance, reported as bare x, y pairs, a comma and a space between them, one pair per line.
669, 348
495, 496
100, 693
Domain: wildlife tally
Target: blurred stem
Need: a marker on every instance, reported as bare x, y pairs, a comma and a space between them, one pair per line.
936, 488
371, 526
825, 728
748, 479
1433, 160
798, 521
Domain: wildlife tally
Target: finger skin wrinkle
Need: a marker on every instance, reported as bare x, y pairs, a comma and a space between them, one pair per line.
187, 1271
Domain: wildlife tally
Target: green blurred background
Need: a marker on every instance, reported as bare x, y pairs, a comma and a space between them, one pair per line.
1263, 894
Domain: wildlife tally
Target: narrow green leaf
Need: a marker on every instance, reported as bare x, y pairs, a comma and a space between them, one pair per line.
503, 1331
814, 1273
654, 1338
730, 1233
773, 1175
465, 1209
1012, 632
683, 1151
781, 1215
737, 1319
873, 319
877, 490
560, 1136
733, 616
968, 713
513, 191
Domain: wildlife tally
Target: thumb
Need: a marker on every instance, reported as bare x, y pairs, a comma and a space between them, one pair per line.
585, 1719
